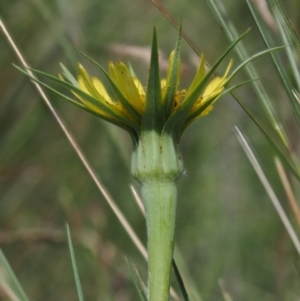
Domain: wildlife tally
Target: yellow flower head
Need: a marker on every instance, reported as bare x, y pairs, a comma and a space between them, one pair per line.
161, 106
132, 89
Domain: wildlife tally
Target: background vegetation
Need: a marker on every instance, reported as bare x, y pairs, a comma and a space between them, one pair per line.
226, 226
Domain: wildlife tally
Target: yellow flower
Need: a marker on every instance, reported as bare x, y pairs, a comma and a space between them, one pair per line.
131, 89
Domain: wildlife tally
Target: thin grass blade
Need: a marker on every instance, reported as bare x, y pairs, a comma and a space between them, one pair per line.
219, 10
74, 265
180, 281
277, 64
277, 150
9, 282
175, 24
224, 291
140, 286
288, 190
288, 24
189, 280
254, 162
290, 49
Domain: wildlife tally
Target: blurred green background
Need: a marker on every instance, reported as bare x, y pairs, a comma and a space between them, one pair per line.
226, 226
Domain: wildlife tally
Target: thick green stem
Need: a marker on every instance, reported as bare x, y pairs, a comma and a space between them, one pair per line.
160, 197
157, 165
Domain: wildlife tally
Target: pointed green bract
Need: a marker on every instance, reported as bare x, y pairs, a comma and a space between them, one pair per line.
110, 114
173, 77
68, 75
199, 76
176, 121
118, 123
153, 118
211, 102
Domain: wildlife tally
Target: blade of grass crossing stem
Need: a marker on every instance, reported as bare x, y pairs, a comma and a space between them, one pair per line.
277, 64
288, 226
74, 266
9, 282
180, 281
190, 285
137, 281
218, 9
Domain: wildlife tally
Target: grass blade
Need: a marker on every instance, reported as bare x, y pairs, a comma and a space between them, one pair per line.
288, 226
279, 153
224, 291
293, 60
9, 282
218, 9
288, 190
180, 281
287, 22
140, 286
277, 64
74, 265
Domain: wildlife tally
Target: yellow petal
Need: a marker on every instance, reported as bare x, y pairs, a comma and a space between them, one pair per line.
228, 69
82, 86
206, 111
93, 88
163, 87
171, 59
121, 76
139, 86
170, 66
100, 88
163, 83
166, 83
87, 84
213, 86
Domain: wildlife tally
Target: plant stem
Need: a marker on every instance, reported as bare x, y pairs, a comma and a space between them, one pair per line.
160, 198
157, 165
